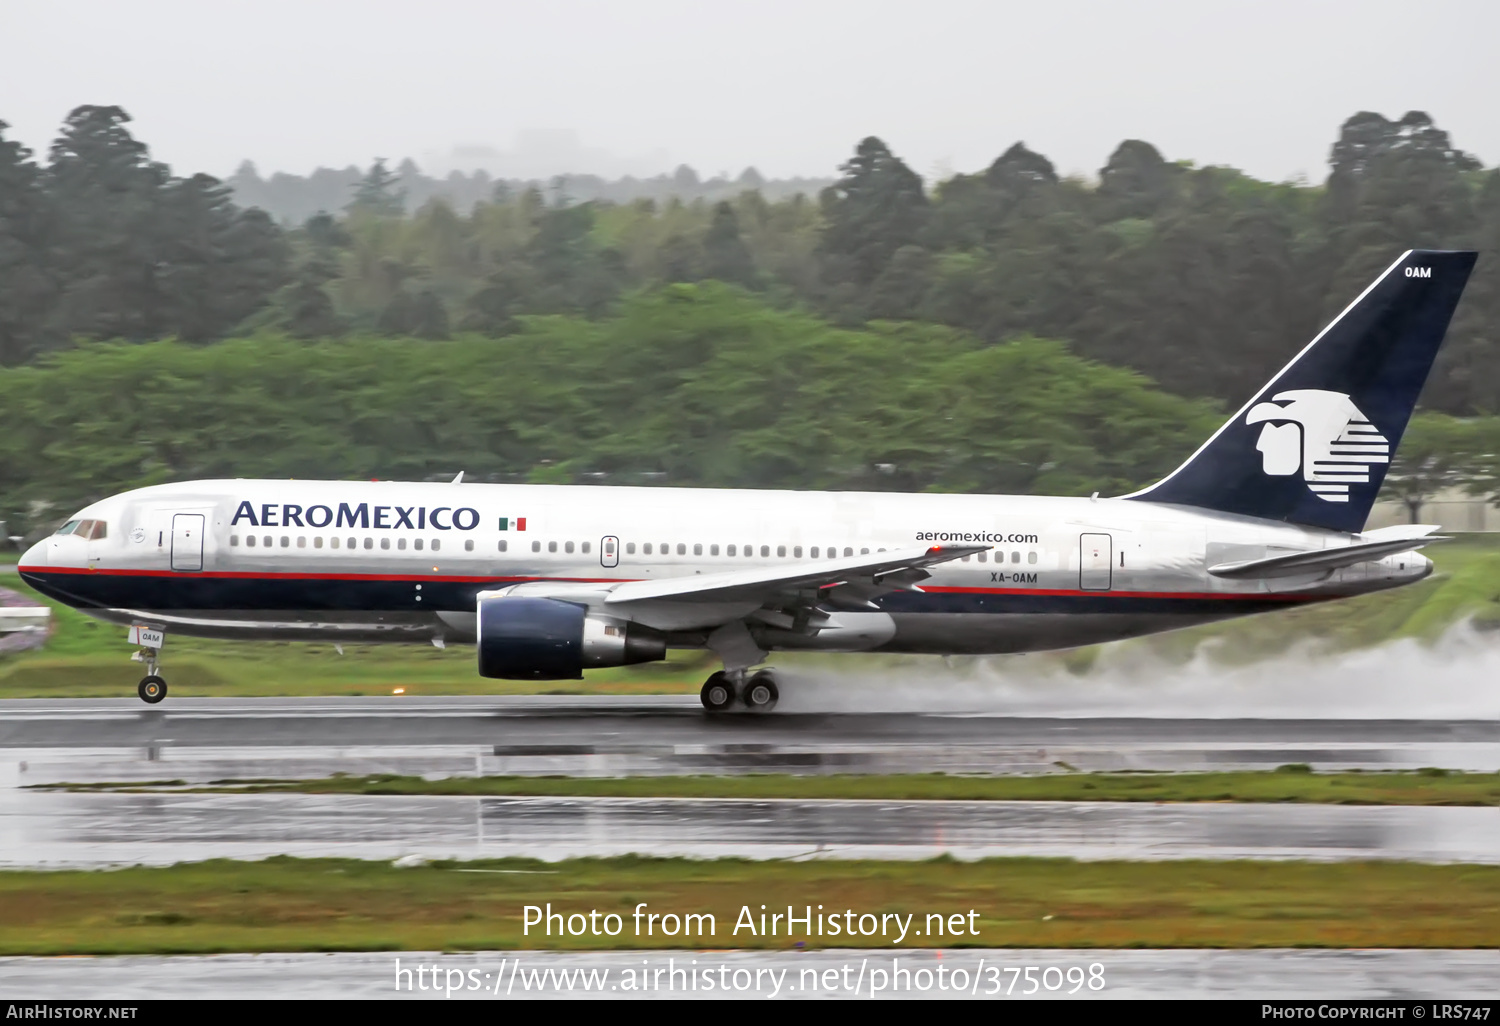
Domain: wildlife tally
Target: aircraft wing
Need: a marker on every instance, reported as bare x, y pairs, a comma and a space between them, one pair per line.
852, 577
1377, 544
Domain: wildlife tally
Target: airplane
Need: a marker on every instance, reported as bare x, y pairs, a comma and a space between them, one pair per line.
550, 581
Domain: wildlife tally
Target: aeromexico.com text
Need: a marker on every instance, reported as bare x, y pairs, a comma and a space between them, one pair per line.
361, 515
980, 537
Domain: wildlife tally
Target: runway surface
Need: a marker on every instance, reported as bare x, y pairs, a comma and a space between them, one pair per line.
198, 740
50, 829
984, 973
204, 740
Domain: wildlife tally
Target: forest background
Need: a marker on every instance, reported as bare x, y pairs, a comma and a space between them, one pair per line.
1008, 331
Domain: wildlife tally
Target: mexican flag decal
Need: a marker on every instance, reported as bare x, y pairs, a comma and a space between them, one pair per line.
512, 523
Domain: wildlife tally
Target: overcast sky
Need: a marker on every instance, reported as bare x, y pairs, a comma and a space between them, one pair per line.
785, 85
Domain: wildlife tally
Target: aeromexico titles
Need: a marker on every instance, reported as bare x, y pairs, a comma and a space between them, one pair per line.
550, 581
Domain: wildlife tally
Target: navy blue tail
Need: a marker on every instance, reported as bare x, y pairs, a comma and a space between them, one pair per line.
1313, 446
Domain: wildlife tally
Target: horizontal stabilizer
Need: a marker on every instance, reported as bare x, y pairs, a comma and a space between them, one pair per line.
1315, 561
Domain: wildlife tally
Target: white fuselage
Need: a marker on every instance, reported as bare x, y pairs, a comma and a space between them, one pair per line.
359, 561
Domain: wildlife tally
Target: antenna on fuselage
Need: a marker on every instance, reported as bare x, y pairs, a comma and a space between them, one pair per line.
459, 479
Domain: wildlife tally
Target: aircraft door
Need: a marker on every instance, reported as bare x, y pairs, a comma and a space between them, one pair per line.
187, 541
609, 551
1095, 559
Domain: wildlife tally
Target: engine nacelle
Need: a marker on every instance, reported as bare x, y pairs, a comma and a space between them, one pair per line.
549, 639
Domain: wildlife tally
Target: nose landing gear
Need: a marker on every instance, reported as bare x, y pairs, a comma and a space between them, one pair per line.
152, 688
757, 692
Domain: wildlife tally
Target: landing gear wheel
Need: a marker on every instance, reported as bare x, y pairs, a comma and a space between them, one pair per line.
760, 693
718, 692
152, 689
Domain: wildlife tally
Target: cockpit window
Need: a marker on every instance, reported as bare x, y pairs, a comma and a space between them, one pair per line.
90, 529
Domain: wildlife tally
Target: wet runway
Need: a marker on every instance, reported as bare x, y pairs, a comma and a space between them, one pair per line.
197, 740
972, 973
39, 829
203, 740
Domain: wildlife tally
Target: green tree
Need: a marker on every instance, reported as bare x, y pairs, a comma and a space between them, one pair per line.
378, 193
874, 209
725, 255
1436, 453
25, 280
1136, 182
420, 314
105, 190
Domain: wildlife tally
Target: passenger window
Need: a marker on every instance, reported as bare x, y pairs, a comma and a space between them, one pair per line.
333, 543
437, 543
630, 548
731, 551
234, 539
681, 549
401, 544
698, 549
552, 546
416, 543
504, 545
301, 541
567, 546
749, 551
468, 544
781, 551
1031, 557
848, 551
646, 549
1015, 557
536, 546
963, 559
385, 543
713, 550
318, 542
813, 552
286, 541
369, 543
266, 541
584, 547
765, 550
250, 540
984, 557
797, 552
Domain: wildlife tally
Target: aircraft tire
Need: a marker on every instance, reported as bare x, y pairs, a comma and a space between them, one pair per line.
152, 689
718, 692
761, 693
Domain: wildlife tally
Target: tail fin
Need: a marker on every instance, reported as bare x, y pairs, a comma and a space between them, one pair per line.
1314, 444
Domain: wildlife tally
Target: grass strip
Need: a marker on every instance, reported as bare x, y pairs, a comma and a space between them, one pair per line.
1293, 783
287, 904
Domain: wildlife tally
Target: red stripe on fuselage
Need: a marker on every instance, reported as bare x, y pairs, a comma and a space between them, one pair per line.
1123, 594
250, 575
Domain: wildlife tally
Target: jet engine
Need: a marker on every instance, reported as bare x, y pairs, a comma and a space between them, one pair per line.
548, 639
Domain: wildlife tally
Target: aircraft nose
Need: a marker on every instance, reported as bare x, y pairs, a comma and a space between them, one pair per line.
36, 555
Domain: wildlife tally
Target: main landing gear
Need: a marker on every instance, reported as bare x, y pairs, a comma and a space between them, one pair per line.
757, 691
